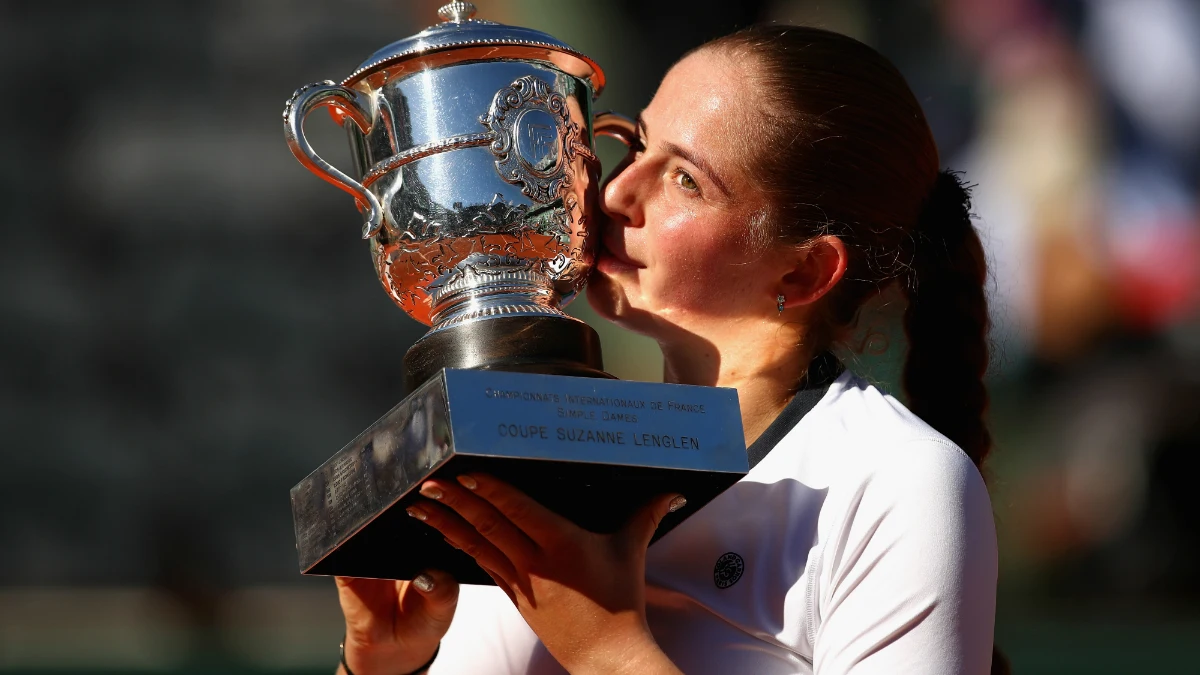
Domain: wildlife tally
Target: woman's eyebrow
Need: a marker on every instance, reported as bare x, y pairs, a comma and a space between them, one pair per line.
690, 156
704, 166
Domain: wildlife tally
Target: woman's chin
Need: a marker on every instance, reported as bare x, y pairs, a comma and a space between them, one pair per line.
603, 295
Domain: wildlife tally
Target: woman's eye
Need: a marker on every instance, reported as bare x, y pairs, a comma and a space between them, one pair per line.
685, 181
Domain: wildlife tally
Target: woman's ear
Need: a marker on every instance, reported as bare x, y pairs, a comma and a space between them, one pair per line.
819, 266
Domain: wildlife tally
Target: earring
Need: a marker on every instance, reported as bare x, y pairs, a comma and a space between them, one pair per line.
779, 302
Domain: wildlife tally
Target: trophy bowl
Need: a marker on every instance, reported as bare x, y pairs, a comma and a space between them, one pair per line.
472, 148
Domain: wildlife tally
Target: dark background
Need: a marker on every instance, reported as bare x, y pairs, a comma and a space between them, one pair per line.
189, 322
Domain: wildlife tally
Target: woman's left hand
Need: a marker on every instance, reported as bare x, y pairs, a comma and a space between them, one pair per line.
582, 593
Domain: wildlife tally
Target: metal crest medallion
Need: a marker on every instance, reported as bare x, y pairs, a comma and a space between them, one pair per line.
534, 138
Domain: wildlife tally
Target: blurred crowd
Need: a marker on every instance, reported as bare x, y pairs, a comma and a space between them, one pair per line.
191, 323
1086, 150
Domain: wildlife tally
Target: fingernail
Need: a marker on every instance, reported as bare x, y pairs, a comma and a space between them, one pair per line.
468, 482
423, 582
677, 503
416, 513
431, 491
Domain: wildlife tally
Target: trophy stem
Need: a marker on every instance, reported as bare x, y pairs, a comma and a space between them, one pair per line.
554, 345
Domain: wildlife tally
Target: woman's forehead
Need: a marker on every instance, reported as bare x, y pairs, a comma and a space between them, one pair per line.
705, 104
707, 82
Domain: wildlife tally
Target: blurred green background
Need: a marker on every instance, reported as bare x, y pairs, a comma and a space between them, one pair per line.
191, 323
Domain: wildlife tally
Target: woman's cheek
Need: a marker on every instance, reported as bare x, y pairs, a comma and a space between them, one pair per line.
694, 273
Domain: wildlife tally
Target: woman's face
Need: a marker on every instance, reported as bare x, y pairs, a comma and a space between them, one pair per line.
678, 213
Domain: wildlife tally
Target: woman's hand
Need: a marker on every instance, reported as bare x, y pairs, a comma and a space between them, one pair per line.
584, 594
393, 627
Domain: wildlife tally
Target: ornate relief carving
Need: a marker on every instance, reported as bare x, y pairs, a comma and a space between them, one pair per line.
534, 139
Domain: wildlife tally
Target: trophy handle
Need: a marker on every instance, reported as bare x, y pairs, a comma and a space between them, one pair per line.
615, 125
355, 105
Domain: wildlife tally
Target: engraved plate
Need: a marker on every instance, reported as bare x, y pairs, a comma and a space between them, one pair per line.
581, 419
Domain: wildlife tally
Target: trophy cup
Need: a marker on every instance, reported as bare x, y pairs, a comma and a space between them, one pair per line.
472, 144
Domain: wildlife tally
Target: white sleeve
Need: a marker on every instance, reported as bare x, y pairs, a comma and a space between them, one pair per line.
908, 581
487, 637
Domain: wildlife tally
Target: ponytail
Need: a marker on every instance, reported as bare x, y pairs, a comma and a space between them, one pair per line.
947, 323
947, 320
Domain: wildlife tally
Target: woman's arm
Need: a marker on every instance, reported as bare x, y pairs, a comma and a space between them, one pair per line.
908, 582
582, 593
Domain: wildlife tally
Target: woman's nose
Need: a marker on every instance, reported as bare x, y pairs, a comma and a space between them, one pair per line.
619, 193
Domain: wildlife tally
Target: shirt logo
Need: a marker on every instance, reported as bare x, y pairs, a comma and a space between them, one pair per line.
728, 570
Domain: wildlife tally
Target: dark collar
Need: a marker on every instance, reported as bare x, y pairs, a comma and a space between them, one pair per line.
823, 370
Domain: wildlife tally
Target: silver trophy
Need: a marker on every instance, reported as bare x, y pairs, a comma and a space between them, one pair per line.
474, 166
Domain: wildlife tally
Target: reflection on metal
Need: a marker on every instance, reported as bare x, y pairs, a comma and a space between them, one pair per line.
456, 11
471, 195
441, 194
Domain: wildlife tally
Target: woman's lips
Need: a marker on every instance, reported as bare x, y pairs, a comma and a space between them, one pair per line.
610, 264
611, 259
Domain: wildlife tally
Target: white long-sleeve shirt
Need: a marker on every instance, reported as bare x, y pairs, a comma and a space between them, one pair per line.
862, 543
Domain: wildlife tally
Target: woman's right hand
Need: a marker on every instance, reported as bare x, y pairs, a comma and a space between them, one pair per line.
393, 627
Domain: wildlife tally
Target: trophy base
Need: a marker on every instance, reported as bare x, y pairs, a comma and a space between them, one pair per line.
553, 345
590, 449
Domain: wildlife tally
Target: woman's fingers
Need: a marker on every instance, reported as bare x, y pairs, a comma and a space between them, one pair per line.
368, 605
487, 520
540, 524
430, 599
395, 624
463, 536
640, 528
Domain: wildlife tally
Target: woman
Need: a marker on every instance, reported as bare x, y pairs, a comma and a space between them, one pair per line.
784, 176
